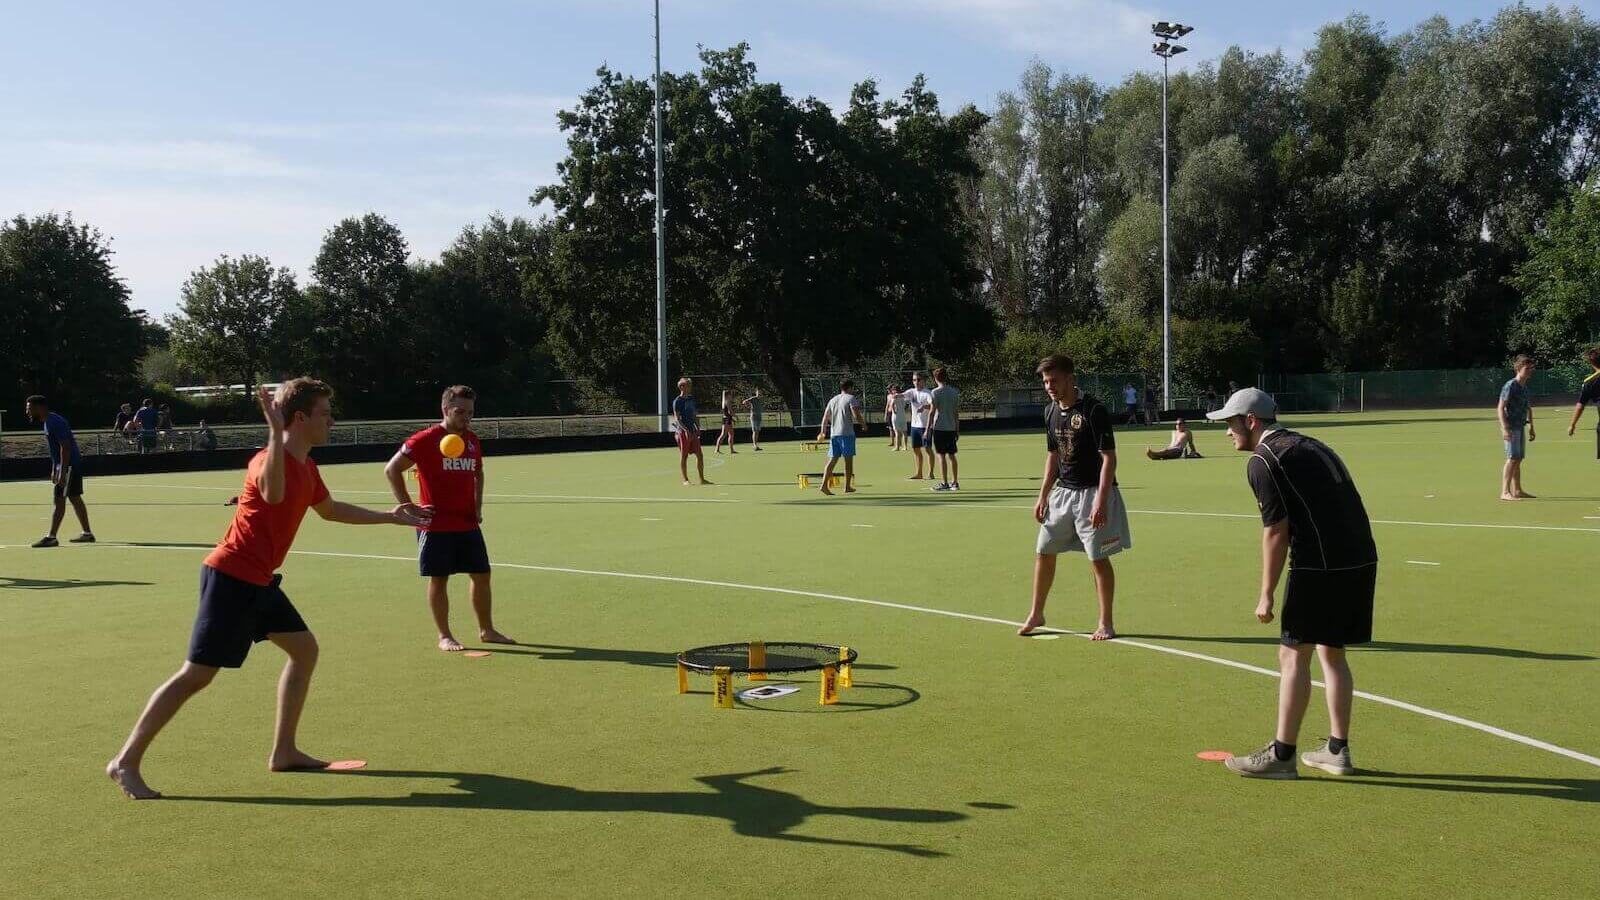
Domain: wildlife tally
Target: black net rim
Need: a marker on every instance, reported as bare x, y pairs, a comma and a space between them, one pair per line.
686, 660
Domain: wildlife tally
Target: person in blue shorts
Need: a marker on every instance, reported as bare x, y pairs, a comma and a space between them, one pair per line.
839, 421
66, 471
1515, 412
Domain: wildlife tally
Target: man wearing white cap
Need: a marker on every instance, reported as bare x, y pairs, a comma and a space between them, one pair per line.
1312, 516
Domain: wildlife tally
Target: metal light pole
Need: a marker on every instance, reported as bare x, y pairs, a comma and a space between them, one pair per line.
663, 402
1166, 48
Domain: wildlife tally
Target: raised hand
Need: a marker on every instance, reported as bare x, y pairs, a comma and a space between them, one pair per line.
270, 409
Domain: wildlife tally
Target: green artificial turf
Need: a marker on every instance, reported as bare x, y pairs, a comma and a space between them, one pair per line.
966, 761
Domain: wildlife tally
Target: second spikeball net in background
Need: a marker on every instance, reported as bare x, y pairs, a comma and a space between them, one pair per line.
758, 659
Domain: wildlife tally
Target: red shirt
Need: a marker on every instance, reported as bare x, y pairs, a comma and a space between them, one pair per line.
261, 533
450, 486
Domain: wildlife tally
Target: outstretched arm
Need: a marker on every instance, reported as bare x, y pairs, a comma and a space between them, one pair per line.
350, 514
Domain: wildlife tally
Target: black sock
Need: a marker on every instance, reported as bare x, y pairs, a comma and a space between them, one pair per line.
1337, 745
1282, 751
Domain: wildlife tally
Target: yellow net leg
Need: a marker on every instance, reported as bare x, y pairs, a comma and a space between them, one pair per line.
722, 693
844, 668
829, 686
758, 660
805, 482
683, 679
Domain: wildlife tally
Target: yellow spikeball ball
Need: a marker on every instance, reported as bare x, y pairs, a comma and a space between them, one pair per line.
452, 445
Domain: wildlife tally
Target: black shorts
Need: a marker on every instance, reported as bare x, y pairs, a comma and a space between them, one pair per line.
71, 483
944, 442
1329, 608
235, 614
451, 552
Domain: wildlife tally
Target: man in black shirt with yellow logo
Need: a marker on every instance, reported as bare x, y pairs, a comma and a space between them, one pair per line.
1079, 507
1312, 516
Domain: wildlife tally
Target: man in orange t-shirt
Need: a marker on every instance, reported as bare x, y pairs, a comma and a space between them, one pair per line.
241, 602
452, 490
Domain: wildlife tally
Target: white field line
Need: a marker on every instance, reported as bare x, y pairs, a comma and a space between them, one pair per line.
971, 617
985, 507
1422, 562
235, 490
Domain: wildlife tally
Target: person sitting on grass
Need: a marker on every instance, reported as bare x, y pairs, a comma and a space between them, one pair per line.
839, 421
1180, 447
1515, 411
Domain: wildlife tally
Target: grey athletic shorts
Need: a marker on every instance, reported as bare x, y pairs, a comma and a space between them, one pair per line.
1067, 526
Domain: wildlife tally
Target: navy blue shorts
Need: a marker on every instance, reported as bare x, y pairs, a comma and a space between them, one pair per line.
918, 438
235, 614
71, 483
451, 552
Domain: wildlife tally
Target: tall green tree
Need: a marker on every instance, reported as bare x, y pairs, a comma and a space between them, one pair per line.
231, 319
788, 231
1560, 281
66, 327
358, 327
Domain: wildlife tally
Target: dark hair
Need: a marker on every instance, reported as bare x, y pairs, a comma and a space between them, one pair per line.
1057, 362
938, 373
148, 402
300, 395
38, 400
1520, 360
458, 392
846, 384
1593, 356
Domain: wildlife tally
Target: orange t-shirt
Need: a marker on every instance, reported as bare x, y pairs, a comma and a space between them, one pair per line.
258, 540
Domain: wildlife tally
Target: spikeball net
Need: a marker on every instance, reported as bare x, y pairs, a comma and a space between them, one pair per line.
758, 659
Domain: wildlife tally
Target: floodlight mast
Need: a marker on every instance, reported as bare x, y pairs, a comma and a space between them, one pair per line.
1166, 48
663, 399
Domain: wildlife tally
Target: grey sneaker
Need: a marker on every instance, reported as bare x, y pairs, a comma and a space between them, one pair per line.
86, 538
1263, 764
1332, 763
940, 487
47, 541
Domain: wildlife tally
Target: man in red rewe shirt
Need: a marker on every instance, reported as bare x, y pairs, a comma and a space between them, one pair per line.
241, 602
452, 489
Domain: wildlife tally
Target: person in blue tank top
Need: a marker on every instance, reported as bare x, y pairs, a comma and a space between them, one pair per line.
66, 471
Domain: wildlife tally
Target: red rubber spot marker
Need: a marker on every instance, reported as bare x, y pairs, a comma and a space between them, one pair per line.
1213, 755
475, 654
347, 765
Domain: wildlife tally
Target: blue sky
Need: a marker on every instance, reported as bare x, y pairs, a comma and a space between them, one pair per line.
187, 130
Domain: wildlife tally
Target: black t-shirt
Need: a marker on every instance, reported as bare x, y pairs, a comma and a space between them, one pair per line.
1298, 478
1590, 393
1080, 433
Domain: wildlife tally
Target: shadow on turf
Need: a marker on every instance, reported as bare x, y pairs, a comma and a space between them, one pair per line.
1394, 646
653, 658
1584, 790
8, 582
751, 810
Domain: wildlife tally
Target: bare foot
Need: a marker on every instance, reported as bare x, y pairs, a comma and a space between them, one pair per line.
295, 761
849, 490
826, 492
1029, 626
449, 644
1509, 497
703, 481
1103, 633
1524, 495
128, 780
490, 636
686, 482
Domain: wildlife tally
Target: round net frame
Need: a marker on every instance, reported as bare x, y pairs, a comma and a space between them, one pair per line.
782, 657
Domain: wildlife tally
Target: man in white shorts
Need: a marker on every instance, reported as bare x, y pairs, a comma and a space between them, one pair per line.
1079, 507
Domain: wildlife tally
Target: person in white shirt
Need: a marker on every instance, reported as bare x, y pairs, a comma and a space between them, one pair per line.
897, 412
1130, 400
1181, 446
839, 421
921, 402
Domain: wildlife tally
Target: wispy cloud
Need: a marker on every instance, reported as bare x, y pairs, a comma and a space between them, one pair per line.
225, 159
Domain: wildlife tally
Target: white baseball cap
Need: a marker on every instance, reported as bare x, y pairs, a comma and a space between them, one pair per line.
1247, 402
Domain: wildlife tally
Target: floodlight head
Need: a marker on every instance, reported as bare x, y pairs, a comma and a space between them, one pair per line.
1176, 49
1161, 28
1169, 30
1161, 48
1181, 30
